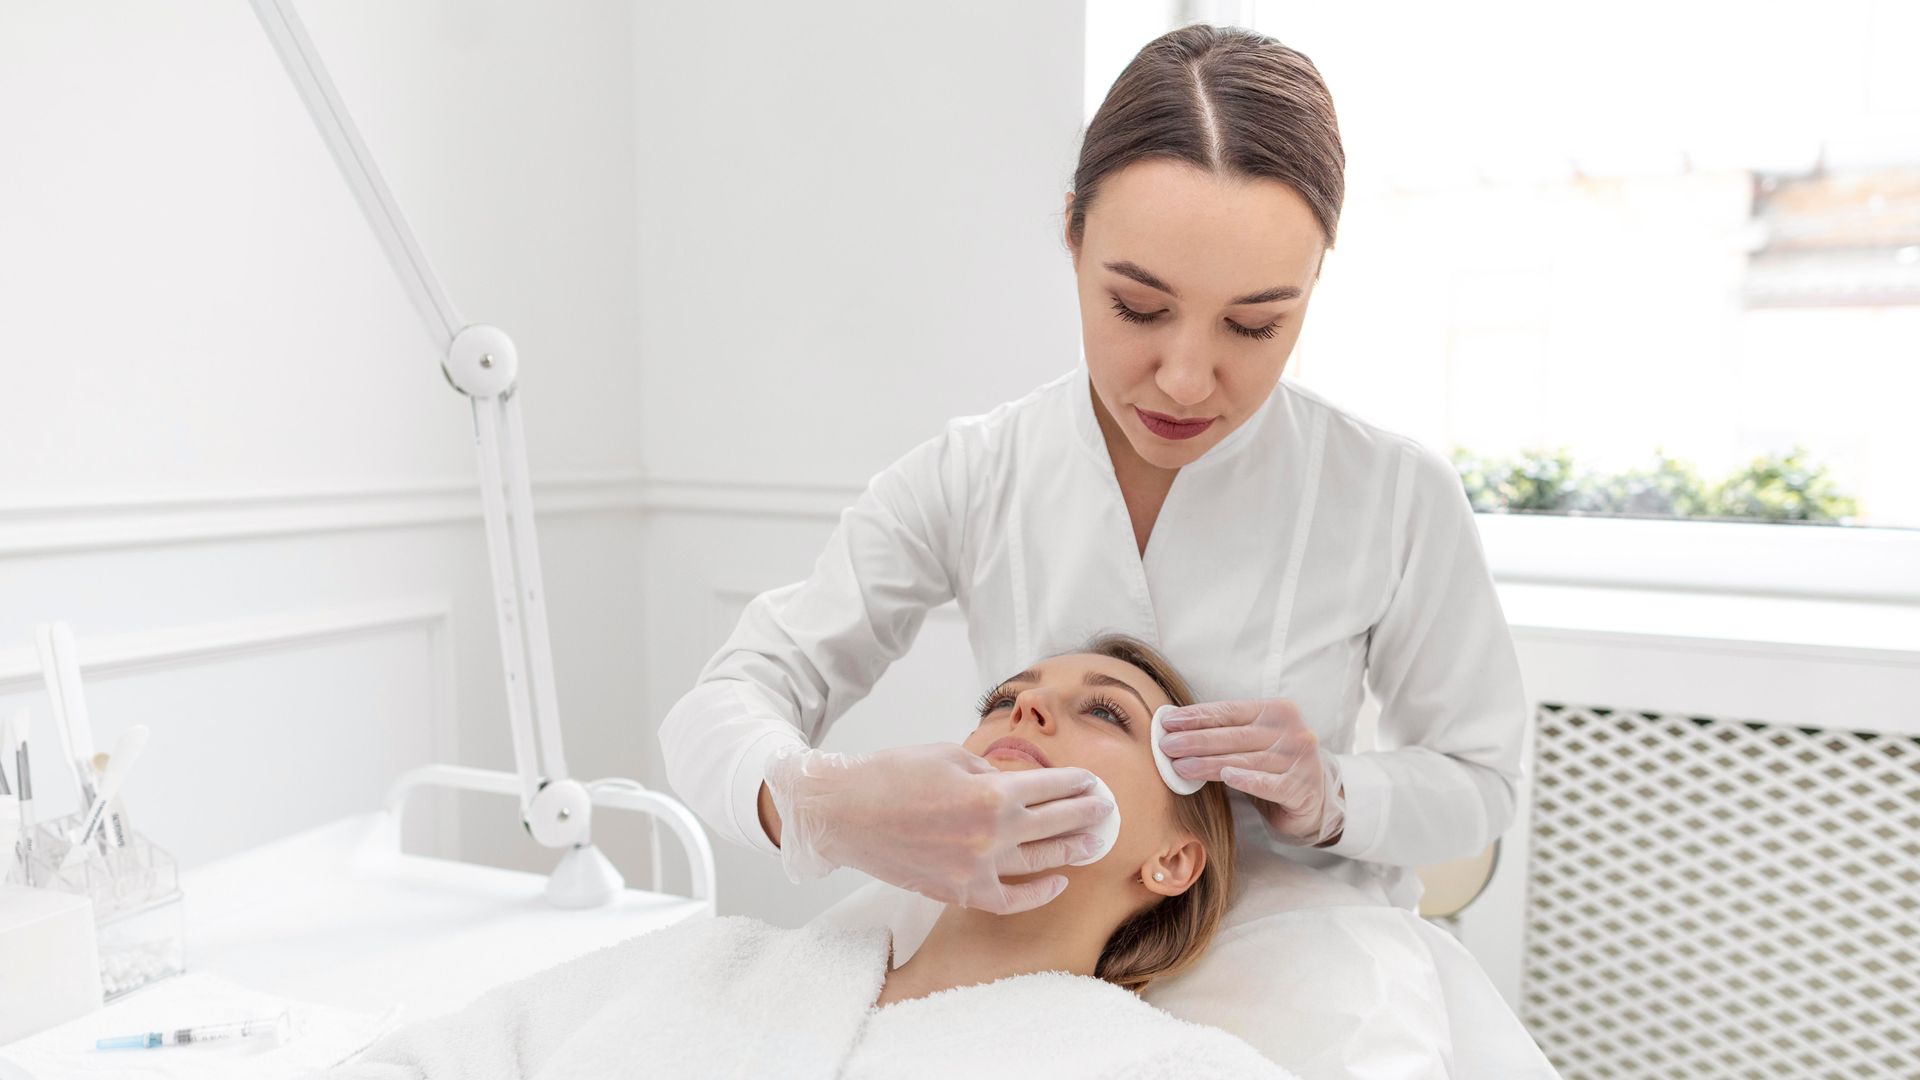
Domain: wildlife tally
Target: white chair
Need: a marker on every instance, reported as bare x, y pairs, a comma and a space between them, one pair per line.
1451, 886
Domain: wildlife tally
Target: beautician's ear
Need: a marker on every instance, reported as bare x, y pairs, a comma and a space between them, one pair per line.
1177, 867
1066, 230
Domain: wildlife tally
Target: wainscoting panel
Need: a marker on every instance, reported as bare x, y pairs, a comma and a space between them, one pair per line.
259, 728
301, 649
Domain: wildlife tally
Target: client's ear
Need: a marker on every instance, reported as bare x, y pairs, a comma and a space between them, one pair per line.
1178, 865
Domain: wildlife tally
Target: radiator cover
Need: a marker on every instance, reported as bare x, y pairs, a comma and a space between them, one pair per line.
1714, 897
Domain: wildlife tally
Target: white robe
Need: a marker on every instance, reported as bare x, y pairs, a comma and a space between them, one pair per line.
1307, 551
737, 997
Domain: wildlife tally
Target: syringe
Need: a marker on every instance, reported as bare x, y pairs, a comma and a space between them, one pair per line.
238, 1029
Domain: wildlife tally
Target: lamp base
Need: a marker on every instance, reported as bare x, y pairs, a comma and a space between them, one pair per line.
583, 878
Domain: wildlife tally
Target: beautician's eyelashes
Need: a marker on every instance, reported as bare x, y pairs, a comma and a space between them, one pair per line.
1133, 316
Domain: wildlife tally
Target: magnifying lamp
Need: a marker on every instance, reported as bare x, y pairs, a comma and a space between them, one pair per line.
480, 361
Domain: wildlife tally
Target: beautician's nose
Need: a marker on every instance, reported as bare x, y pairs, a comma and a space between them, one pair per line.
1185, 376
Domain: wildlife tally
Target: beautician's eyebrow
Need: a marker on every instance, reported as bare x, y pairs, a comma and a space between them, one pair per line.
1141, 275
1094, 678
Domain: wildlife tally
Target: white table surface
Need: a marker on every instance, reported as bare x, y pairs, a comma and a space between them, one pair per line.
334, 916
337, 916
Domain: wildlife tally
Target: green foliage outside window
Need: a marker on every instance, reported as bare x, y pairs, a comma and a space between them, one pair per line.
1773, 487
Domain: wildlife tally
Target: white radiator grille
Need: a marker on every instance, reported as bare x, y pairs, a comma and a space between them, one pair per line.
1720, 898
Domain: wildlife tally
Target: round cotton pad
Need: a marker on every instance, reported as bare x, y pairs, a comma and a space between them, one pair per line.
1107, 829
1174, 780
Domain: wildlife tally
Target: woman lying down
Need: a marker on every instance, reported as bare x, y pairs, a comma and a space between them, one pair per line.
1049, 992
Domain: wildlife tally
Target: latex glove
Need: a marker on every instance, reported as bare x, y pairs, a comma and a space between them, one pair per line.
1265, 749
936, 819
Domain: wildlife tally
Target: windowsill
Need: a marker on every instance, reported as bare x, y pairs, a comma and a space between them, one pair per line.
1852, 628
1715, 566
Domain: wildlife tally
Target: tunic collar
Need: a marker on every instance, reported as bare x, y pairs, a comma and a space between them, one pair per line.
1080, 403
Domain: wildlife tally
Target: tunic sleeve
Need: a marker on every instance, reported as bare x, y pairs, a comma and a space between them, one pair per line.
1441, 663
803, 653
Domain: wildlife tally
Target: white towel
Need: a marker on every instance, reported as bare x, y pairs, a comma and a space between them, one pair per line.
736, 997
1049, 1024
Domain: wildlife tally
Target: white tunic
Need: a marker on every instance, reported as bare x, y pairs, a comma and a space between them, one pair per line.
1305, 552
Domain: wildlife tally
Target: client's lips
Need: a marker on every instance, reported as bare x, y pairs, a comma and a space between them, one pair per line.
1018, 746
1173, 427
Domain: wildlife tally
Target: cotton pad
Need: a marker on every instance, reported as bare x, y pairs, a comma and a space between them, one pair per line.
1178, 783
1107, 829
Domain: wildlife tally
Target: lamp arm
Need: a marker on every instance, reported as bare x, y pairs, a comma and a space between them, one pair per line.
330, 116
480, 361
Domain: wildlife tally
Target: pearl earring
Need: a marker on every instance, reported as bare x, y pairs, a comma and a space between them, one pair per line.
1159, 876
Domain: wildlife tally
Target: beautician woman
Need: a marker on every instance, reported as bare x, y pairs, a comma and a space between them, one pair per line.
1279, 549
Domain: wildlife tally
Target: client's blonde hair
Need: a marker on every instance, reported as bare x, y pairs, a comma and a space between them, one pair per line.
1170, 936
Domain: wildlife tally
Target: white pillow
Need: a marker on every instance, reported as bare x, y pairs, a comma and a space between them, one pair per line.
1319, 976
1324, 991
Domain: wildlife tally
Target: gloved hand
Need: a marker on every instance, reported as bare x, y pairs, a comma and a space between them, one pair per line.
937, 819
1265, 749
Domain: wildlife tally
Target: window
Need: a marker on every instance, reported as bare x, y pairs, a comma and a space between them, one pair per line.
1648, 272
1643, 261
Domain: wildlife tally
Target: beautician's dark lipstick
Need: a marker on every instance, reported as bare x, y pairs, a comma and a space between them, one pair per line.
1021, 747
1173, 427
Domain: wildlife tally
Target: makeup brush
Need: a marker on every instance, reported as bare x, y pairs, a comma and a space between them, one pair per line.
126, 751
115, 831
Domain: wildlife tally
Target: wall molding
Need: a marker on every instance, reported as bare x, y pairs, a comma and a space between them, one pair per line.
104, 523
735, 498
739, 596
193, 644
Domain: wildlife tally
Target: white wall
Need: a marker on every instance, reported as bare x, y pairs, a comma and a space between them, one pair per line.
850, 225
850, 221
227, 457
746, 264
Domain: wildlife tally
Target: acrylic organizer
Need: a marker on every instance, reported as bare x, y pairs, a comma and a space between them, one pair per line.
136, 900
